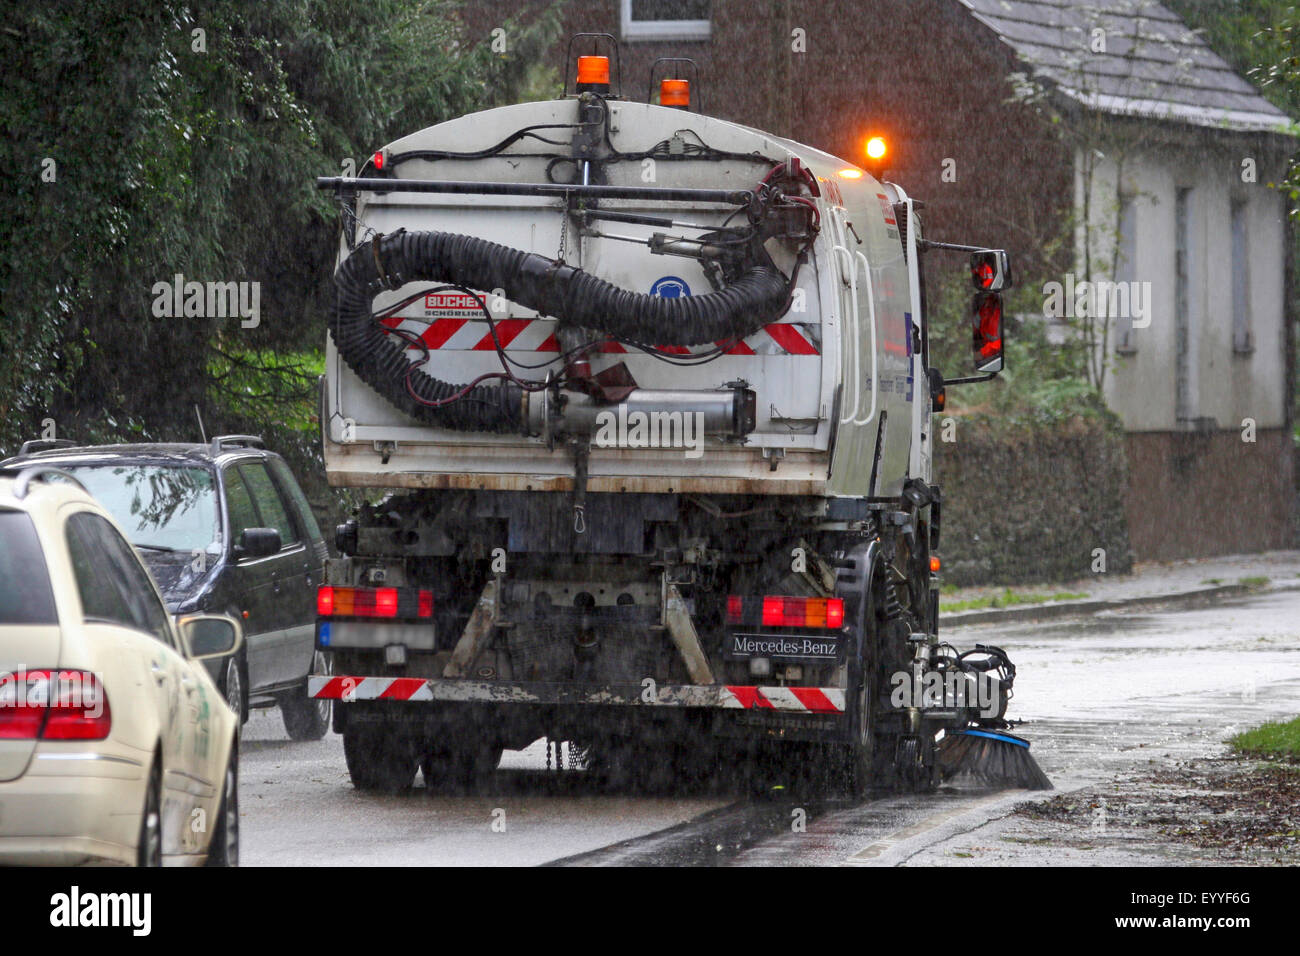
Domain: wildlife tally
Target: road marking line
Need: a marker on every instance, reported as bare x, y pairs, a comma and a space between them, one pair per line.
882, 846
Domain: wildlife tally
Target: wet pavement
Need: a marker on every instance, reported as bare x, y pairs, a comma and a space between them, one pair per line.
1108, 701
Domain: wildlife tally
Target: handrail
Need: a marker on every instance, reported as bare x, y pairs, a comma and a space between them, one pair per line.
875, 371
849, 338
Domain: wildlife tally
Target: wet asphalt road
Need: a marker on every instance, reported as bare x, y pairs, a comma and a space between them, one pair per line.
1099, 696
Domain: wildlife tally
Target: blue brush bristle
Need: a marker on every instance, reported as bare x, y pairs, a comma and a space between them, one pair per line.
992, 735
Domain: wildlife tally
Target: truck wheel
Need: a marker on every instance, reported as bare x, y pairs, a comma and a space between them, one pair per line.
469, 770
304, 717
618, 766
906, 763
917, 767
379, 758
859, 762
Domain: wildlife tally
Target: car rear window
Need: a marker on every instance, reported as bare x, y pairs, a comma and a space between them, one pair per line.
25, 593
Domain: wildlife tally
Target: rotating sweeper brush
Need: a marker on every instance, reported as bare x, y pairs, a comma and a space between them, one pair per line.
985, 755
990, 759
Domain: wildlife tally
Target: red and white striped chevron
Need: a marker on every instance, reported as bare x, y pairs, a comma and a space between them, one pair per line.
815, 700
459, 334
807, 700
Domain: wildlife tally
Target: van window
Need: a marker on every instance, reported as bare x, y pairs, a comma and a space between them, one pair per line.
269, 505
291, 489
239, 505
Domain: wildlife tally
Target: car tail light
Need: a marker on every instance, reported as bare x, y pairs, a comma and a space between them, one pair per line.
775, 610
17, 720
373, 602
53, 705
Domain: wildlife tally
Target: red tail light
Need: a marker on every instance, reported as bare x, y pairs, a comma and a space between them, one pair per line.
780, 611
18, 721
834, 613
734, 608
373, 602
53, 705
386, 602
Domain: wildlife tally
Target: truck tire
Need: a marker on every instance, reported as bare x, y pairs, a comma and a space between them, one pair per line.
859, 755
460, 770
379, 758
906, 764
855, 766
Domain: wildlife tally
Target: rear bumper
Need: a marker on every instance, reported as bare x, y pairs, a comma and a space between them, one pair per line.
64, 819
805, 700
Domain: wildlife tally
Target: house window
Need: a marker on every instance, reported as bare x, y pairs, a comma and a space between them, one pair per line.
1126, 270
666, 19
1243, 339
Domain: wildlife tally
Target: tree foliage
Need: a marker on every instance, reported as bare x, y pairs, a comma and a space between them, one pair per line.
1261, 39
146, 139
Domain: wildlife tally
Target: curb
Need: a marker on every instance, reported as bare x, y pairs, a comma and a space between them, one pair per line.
1047, 612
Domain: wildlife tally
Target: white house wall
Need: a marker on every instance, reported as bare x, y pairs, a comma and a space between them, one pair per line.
1226, 386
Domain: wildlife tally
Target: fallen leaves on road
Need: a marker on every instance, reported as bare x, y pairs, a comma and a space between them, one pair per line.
1236, 809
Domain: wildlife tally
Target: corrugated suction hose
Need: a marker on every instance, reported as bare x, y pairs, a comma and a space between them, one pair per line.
574, 297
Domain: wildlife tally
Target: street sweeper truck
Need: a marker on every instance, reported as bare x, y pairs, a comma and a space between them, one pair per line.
640, 402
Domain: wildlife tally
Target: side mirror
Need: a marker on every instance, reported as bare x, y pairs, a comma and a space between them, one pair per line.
209, 636
986, 323
257, 543
990, 270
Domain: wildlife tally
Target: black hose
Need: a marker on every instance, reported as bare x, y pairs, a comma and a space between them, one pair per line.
574, 297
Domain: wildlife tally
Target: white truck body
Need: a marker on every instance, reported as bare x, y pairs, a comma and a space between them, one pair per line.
524, 577
826, 373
